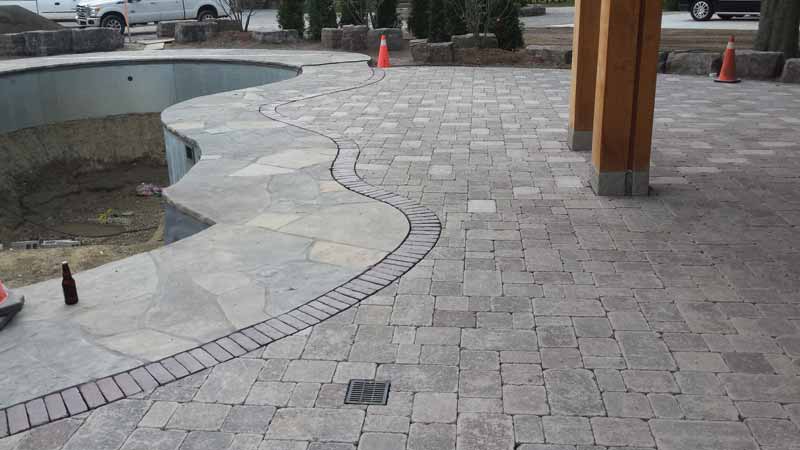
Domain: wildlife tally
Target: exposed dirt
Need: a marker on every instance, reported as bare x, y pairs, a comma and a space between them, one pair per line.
100, 209
492, 57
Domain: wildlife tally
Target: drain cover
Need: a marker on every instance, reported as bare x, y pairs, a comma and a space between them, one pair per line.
367, 392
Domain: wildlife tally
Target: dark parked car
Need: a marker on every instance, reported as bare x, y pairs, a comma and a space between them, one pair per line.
725, 9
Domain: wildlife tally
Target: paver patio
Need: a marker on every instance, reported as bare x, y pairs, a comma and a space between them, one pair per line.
545, 318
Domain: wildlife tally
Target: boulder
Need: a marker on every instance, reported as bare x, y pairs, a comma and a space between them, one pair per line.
791, 71
194, 31
166, 29
44, 43
276, 37
440, 53
470, 40
420, 50
224, 25
532, 10
549, 56
331, 38
96, 40
12, 44
694, 63
394, 38
354, 37
755, 65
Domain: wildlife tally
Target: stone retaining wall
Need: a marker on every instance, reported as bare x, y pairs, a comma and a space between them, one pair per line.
693, 63
354, 37
470, 40
548, 56
59, 42
276, 37
394, 38
751, 65
193, 31
331, 38
791, 71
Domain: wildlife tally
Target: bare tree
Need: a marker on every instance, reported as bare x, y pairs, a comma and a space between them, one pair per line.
778, 27
478, 15
239, 11
367, 12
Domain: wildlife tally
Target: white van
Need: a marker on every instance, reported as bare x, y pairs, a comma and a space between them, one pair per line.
50, 9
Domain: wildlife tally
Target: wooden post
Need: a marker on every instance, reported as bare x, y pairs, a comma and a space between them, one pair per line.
584, 74
630, 32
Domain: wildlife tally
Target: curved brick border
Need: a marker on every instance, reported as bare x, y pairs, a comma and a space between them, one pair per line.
424, 231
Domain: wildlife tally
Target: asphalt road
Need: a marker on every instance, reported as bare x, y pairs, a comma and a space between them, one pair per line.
262, 20
565, 17
266, 20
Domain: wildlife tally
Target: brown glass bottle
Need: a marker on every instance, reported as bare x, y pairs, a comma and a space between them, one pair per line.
68, 285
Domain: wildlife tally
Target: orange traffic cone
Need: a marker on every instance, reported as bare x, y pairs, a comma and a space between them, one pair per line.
728, 72
3, 292
383, 55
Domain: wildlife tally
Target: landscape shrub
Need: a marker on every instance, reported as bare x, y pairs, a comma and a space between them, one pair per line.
418, 19
321, 14
507, 26
386, 14
290, 15
437, 22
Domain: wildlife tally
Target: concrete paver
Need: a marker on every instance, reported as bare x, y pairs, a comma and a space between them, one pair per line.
539, 371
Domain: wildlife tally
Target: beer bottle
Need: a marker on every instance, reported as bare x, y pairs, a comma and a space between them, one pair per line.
68, 285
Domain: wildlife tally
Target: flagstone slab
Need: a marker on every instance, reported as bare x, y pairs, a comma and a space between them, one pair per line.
276, 231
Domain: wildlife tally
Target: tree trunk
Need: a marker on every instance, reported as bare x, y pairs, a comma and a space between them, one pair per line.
778, 28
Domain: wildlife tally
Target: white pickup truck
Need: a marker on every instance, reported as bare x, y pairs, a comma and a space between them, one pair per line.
50, 9
111, 13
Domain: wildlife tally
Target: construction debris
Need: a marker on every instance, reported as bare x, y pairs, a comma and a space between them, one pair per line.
148, 190
53, 243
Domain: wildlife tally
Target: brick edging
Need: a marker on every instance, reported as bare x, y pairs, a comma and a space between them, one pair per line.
423, 233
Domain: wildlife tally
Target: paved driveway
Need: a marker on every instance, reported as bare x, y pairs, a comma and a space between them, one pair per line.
565, 16
266, 20
262, 20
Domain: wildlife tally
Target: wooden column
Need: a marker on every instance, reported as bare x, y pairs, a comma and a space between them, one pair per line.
585, 42
630, 32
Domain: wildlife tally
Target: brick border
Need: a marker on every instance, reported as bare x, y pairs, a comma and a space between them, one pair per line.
424, 232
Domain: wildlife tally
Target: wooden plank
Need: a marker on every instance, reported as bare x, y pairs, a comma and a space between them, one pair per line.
616, 77
584, 73
649, 39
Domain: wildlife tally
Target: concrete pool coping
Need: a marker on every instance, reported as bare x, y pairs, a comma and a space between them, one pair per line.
343, 265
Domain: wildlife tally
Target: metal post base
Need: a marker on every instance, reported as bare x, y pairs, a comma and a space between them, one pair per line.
579, 141
621, 183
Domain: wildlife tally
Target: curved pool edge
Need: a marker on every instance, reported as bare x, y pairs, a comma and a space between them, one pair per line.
424, 230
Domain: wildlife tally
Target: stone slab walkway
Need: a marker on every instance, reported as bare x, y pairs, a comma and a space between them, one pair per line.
545, 318
279, 219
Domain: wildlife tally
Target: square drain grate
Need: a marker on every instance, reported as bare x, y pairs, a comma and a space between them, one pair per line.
367, 392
